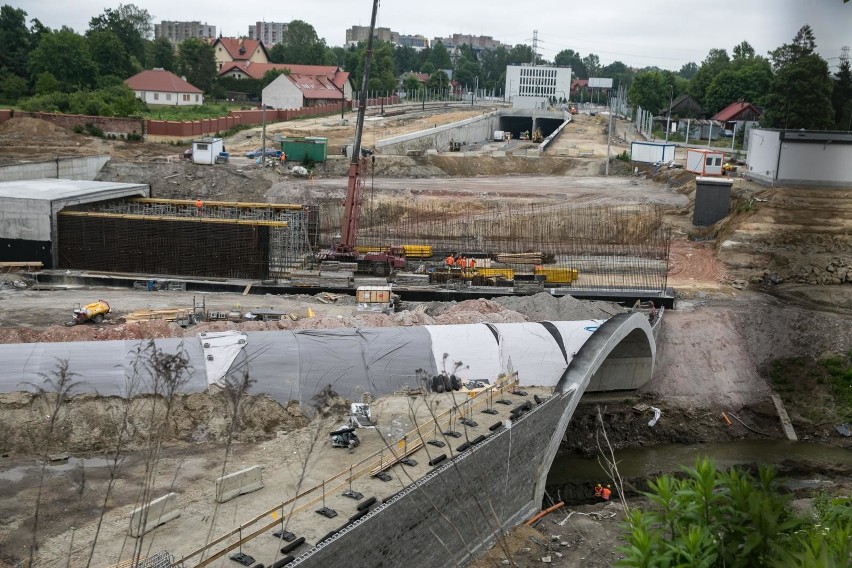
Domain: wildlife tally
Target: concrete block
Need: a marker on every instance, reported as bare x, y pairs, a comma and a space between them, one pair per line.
148, 517
239, 483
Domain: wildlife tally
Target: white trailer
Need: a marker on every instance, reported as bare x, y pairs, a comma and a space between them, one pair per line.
705, 162
652, 152
207, 150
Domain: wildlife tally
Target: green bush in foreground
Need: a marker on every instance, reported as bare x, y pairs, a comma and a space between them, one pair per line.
730, 519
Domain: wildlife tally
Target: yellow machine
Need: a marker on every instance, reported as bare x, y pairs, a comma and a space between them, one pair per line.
94, 312
537, 136
557, 274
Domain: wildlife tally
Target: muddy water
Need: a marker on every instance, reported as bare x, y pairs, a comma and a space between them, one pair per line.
638, 463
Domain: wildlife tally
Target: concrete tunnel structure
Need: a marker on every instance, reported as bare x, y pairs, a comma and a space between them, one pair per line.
463, 504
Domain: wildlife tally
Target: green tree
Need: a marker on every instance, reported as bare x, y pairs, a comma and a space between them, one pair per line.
572, 59
410, 84
439, 57
593, 64
130, 24
650, 90
842, 97
427, 68
405, 59
521, 53
493, 64
161, 53
15, 39
12, 87
715, 62
688, 70
743, 51
749, 82
382, 69
715, 519
439, 81
800, 93
301, 46
197, 62
46, 83
65, 55
108, 53
620, 73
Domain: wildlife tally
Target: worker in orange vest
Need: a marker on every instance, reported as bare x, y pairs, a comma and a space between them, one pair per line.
450, 261
472, 263
605, 493
598, 490
461, 261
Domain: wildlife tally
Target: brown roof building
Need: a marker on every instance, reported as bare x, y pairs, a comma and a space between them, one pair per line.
161, 87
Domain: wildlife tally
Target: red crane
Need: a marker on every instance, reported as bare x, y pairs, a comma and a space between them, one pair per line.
379, 263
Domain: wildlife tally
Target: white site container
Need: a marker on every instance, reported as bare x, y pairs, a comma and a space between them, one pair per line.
705, 162
206, 150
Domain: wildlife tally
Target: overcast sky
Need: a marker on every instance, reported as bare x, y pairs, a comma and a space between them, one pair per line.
665, 33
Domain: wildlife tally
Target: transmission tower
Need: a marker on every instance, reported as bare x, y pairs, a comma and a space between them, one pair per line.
844, 54
535, 47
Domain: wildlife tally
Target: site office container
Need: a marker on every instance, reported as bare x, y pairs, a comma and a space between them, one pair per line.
705, 162
311, 148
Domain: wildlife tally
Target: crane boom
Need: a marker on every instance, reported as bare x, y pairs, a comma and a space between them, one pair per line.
352, 203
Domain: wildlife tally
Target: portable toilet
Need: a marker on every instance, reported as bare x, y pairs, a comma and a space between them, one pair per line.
712, 200
206, 150
704, 162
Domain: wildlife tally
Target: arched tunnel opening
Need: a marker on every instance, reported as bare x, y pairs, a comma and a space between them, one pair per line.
518, 124
579, 463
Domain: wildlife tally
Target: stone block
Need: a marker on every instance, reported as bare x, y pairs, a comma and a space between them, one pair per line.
148, 517
239, 483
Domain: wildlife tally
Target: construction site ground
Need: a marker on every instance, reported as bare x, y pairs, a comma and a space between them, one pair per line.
770, 282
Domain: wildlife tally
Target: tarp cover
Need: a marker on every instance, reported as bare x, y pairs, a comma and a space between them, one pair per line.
295, 365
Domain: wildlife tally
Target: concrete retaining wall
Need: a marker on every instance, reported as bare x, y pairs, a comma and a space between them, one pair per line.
150, 516
63, 168
239, 483
477, 129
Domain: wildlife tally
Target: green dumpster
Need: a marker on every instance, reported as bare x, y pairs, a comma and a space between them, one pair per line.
309, 148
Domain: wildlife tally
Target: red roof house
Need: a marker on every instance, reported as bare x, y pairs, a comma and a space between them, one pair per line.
303, 85
161, 87
228, 49
738, 112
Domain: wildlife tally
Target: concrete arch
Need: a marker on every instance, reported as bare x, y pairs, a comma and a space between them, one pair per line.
452, 513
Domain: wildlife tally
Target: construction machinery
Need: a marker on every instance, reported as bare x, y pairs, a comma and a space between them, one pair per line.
537, 136
345, 438
94, 312
390, 259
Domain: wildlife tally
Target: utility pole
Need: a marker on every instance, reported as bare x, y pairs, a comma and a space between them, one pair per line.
669, 114
608, 138
263, 134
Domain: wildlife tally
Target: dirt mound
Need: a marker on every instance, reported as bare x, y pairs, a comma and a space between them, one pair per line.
90, 423
546, 307
26, 127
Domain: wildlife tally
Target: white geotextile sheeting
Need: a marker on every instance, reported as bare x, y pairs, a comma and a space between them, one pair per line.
473, 345
220, 349
528, 348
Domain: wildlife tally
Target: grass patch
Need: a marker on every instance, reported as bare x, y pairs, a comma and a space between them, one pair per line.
190, 112
820, 390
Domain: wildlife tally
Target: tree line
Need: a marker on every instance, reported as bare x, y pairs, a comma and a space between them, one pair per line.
44, 69
792, 84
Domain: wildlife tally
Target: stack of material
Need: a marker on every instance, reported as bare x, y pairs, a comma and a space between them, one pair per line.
411, 279
305, 278
150, 315
339, 278
520, 258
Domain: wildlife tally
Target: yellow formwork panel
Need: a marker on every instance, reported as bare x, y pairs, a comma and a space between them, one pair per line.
557, 275
506, 273
417, 251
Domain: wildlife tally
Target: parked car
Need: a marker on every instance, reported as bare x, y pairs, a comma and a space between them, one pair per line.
270, 153
727, 133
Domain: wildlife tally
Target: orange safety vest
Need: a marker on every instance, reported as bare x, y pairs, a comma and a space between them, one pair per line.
450, 260
605, 493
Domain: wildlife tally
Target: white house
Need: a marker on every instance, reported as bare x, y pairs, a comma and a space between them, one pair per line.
161, 87
527, 85
307, 85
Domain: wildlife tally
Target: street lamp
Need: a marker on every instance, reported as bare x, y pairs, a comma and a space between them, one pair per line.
669, 114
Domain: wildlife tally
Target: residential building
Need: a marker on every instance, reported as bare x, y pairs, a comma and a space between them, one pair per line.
269, 33
477, 43
528, 86
231, 49
161, 87
176, 32
738, 112
418, 42
357, 34
684, 106
305, 85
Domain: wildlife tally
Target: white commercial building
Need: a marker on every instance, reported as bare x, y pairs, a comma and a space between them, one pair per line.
527, 85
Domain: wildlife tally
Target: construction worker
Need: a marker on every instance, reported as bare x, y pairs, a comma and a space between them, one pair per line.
598, 490
605, 493
450, 262
472, 263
